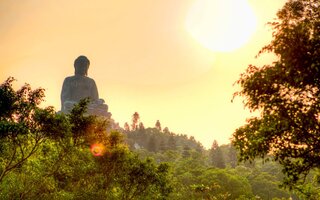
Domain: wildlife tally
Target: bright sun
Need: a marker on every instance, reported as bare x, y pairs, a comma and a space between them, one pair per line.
221, 25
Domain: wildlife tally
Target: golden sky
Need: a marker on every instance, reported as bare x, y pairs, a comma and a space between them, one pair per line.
144, 55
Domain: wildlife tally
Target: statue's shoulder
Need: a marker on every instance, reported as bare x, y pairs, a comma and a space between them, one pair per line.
78, 78
90, 80
69, 78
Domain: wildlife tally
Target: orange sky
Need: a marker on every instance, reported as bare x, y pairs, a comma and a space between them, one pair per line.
142, 58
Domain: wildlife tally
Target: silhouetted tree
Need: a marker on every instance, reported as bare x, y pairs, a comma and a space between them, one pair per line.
135, 120
24, 126
126, 127
216, 155
286, 94
158, 125
214, 145
141, 126
166, 130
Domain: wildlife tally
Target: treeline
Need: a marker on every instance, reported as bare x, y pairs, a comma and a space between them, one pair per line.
156, 139
47, 155
199, 173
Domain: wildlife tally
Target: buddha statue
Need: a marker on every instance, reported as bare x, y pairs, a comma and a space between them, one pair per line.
80, 86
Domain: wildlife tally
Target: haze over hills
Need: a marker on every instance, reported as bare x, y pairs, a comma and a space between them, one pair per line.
143, 58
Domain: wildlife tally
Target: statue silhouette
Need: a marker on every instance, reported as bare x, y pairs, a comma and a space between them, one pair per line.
80, 86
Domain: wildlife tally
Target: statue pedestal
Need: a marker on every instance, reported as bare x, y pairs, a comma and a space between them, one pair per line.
99, 111
98, 108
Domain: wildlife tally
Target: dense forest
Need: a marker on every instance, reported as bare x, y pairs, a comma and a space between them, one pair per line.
50, 155
214, 173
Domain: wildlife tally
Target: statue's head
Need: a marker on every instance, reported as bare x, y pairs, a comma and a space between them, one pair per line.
81, 66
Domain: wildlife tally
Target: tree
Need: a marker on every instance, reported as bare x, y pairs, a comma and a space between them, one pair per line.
216, 156
186, 151
128, 177
152, 144
49, 155
166, 130
214, 145
162, 145
222, 182
135, 120
158, 125
126, 127
36, 143
286, 94
22, 127
141, 126
172, 143
232, 156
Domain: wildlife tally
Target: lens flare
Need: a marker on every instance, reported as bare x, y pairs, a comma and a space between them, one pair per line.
97, 149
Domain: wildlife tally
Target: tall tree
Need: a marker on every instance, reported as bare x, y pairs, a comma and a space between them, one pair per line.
158, 125
166, 130
232, 156
22, 127
135, 121
286, 93
126, 127
141, 126
216, 156
214, 145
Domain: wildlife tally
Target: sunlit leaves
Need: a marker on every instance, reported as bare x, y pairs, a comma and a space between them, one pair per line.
46, 155
286, 94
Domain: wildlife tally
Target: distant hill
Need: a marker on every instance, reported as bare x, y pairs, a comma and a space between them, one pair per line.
155, 140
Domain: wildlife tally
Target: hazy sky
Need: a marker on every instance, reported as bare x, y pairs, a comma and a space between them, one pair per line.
169, 60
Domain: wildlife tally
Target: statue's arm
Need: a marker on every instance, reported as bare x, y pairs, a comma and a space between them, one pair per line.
64, 92
94, 91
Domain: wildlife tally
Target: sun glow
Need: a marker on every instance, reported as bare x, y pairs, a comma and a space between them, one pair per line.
221, 25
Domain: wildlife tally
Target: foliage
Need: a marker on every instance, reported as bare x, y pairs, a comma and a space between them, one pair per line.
194, 178
125, 176
49, 155
158, 125
135, 120
216, 156
156, 140
24, 126
79, 158
286, 94
192, 168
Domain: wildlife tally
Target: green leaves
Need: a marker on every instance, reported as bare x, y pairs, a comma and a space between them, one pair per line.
286, 94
